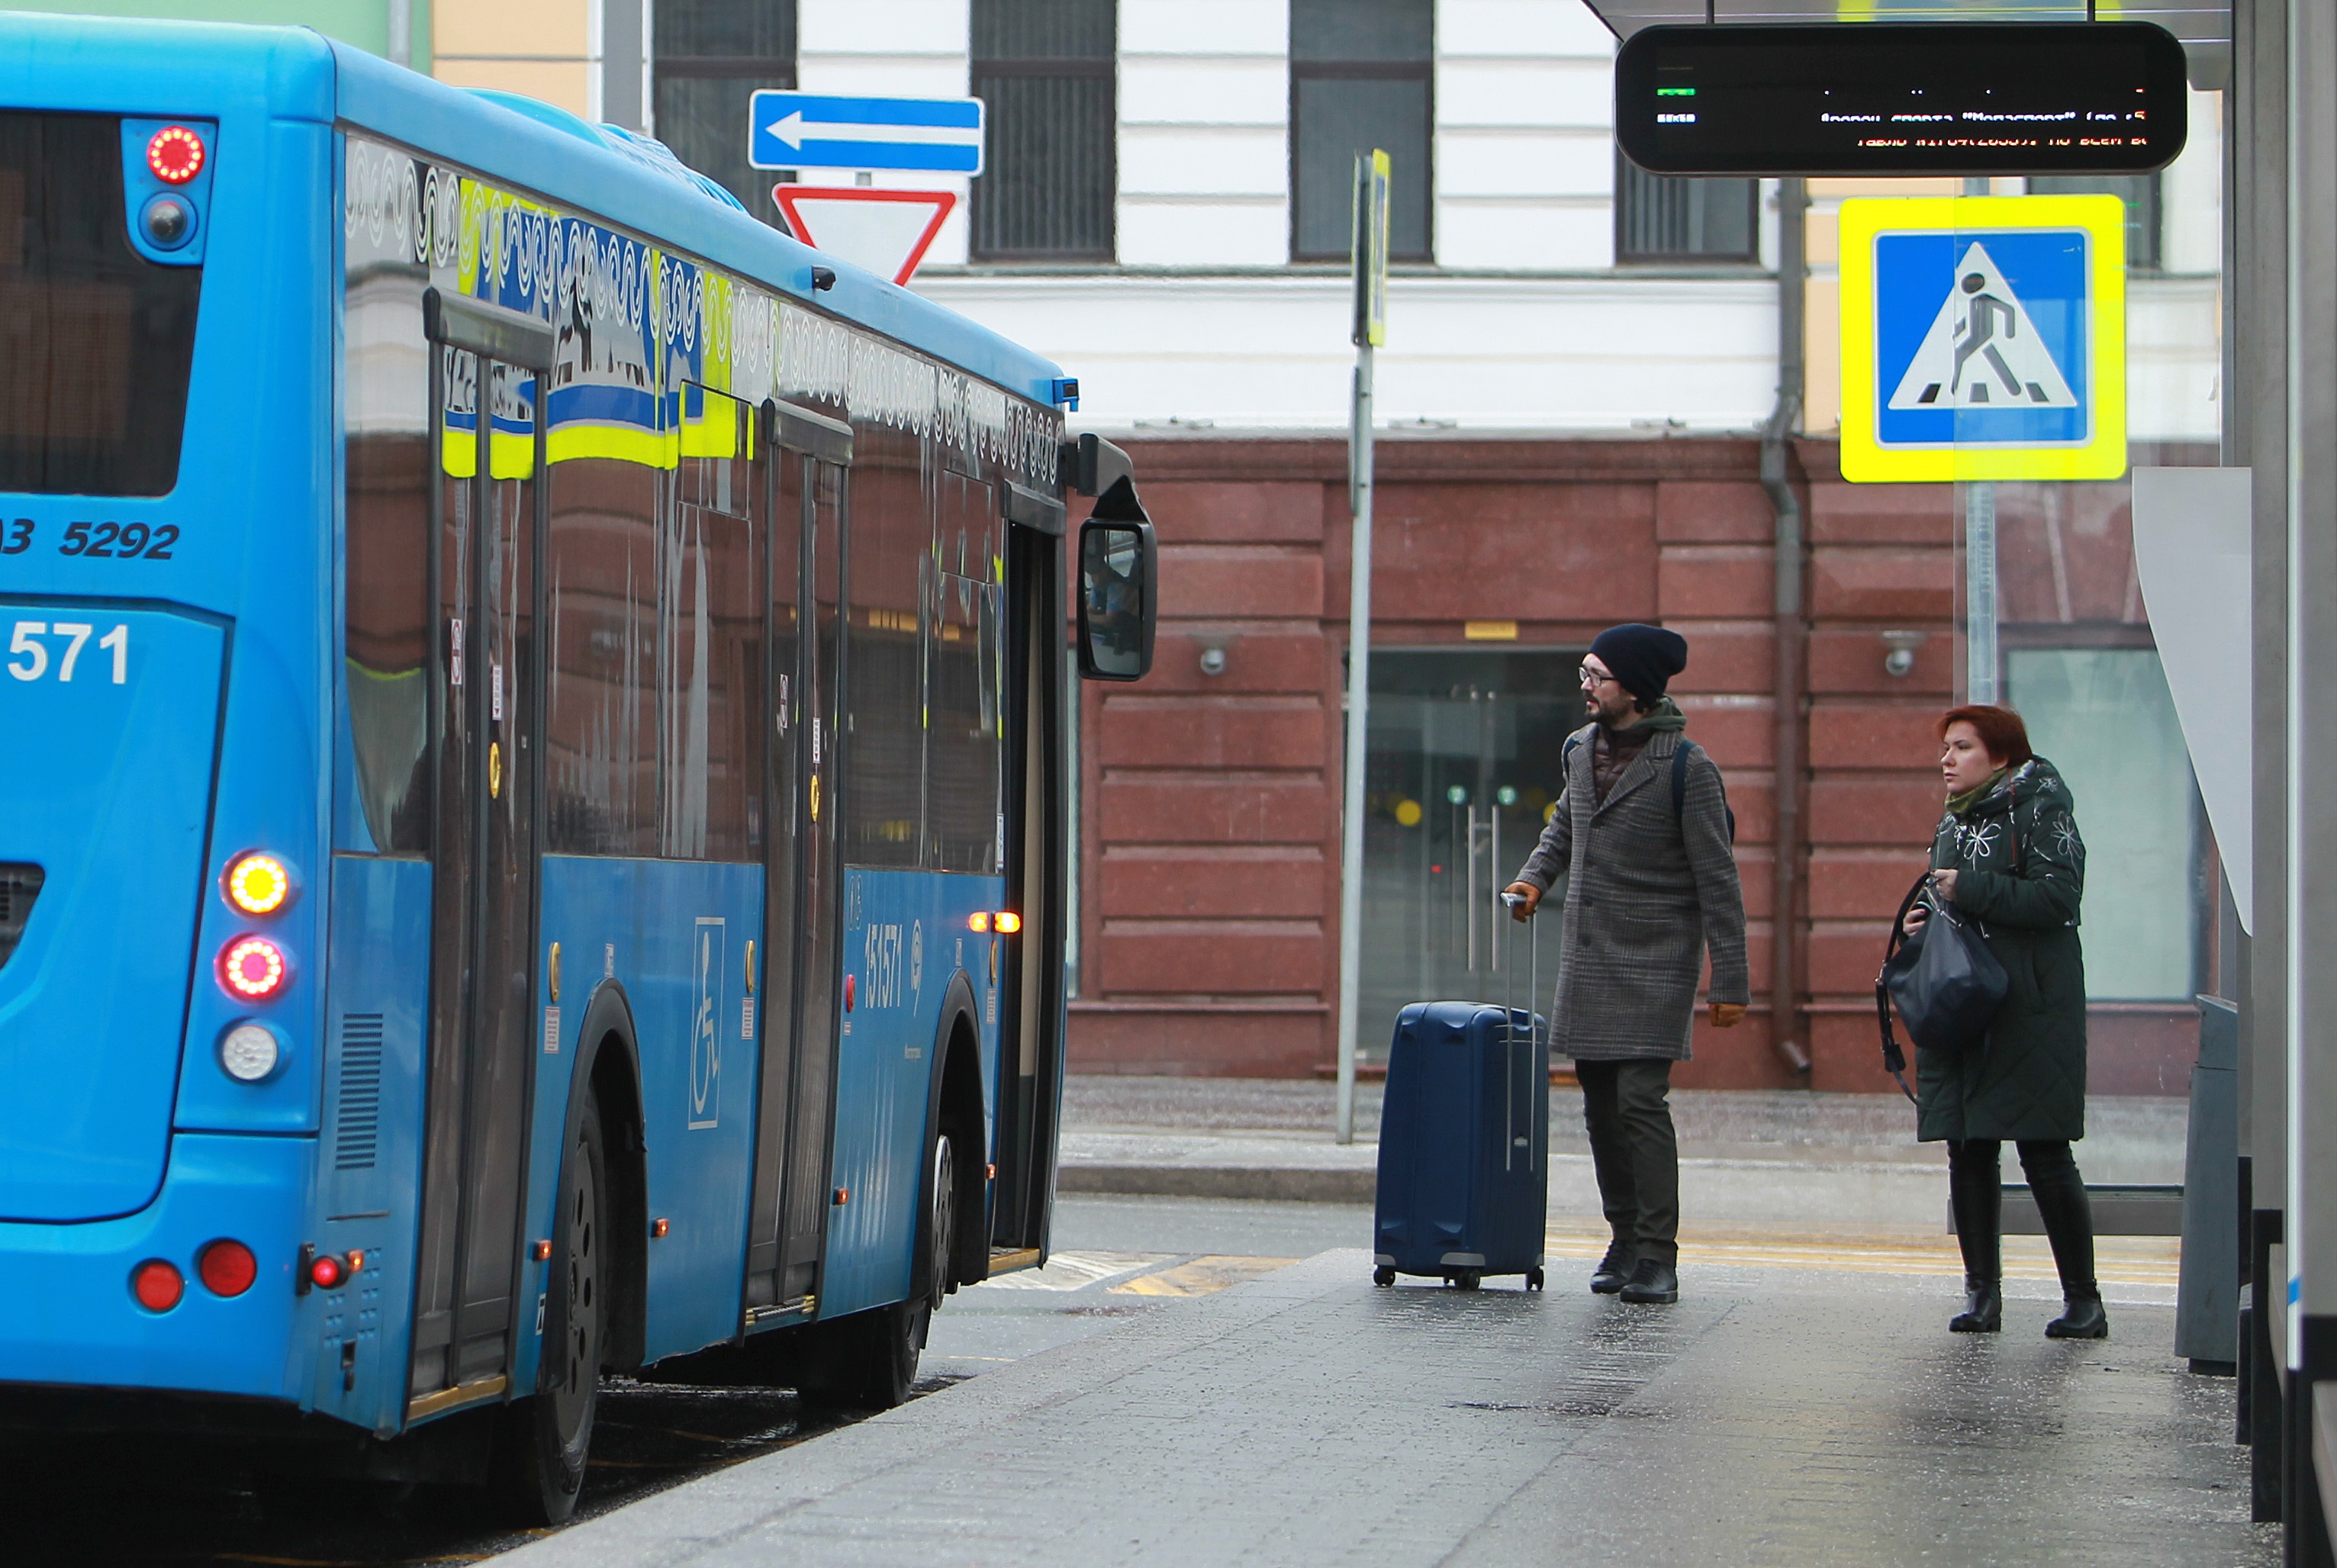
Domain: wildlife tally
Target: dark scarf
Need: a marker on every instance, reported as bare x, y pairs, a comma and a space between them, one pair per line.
1614, 751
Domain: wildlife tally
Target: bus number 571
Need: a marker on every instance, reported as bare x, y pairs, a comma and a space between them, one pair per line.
30, 658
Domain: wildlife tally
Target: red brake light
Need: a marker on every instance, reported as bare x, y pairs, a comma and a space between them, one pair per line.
253, 967
157, 1285
329, 1272
175, 154
1008, 923
228, 1268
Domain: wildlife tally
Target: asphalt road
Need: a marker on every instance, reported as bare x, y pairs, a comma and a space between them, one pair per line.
98, 1505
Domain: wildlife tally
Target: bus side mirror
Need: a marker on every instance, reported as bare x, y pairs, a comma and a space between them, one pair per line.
1118, 596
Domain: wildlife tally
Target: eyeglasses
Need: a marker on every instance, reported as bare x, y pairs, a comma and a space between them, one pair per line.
1590, 676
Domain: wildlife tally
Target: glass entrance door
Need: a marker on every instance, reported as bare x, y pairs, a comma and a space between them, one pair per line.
1463, 770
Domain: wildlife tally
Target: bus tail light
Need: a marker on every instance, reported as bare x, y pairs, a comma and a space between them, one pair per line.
157, 1285
1008, 923
259, 884
228, 1268
329, 1272
175, 154
253, 968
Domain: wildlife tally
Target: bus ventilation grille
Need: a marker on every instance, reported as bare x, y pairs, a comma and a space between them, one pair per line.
357, 1132
19, 885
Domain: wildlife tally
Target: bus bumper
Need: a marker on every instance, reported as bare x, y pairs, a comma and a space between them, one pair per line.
67, 1315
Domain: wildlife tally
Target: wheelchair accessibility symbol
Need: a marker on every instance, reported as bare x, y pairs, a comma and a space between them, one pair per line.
707, 967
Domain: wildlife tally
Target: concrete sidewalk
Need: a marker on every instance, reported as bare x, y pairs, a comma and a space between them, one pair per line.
1776, 1416
1756, 1155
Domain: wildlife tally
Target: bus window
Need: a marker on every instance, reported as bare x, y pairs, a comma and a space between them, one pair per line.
386, 400
885, 769
601, 725
717, 649
962, 817
98, 340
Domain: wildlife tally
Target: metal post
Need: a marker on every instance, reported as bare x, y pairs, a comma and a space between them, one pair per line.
1979, 590
1359, 689
1370, 330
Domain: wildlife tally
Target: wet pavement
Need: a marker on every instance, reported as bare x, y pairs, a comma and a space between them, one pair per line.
1781, 1413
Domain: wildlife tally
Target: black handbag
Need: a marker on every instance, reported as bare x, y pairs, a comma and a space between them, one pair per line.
1943, 979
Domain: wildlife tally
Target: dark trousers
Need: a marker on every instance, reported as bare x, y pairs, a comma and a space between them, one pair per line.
1626, 1111
1975, 1190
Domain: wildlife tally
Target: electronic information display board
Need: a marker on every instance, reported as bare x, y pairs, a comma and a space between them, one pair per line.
1886, 98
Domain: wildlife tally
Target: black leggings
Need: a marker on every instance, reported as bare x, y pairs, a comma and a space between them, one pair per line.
1975, 1192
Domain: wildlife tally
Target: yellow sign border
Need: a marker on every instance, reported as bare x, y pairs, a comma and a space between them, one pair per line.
2103, 455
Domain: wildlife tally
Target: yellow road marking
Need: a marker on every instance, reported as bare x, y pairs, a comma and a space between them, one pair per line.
1200, 1276
2118, 1260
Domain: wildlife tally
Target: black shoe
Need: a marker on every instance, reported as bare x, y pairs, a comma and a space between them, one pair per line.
1614, 1270
1983, 1311
1653, 1281
2079, 1319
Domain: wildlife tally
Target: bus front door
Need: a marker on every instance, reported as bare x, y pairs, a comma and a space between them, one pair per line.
1030, 1034
488, 443
804, 884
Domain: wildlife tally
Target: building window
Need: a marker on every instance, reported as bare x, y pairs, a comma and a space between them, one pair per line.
1046, 72
1361, 76
2140, 193
1658, 218
710, 56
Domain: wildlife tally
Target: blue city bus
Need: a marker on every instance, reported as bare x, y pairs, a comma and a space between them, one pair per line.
532, 830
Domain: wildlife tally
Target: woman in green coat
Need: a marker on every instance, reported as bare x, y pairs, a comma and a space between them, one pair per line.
2007, 858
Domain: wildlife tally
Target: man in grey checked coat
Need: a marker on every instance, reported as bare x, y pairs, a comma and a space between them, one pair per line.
1643, 837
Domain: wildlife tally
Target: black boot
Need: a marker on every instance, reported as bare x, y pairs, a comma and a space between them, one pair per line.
1614, 1270
1653, 1281
1983, 1311
2081, 1318
2069, 1216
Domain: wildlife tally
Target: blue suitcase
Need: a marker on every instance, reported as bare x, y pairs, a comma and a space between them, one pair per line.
1465, 1145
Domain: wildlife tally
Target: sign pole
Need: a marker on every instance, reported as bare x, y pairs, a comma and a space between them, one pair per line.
1979, 590
1370, 261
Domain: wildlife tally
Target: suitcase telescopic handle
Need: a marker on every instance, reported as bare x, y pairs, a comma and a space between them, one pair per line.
1520, 1072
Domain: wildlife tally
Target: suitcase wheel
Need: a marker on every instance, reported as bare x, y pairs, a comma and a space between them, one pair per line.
1533, 1278
1382, 1277
1463, 1278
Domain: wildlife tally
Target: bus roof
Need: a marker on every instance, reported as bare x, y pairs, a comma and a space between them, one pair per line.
157, 67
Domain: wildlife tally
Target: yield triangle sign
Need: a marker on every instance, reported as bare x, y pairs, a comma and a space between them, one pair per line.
887, 233
1982, 351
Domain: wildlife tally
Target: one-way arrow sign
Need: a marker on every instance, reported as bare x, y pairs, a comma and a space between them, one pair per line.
811, 131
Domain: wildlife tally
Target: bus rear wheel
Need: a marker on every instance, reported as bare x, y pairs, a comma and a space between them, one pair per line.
549, 1435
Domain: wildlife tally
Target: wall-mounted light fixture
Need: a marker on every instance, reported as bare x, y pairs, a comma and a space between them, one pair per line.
1215, 648
1900, 661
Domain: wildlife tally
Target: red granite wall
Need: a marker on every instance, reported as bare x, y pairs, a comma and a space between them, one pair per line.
1209, 852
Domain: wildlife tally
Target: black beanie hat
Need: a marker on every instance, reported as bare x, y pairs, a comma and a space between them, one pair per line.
1643, 658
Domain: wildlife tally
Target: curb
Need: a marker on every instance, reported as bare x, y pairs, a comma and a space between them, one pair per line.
1288, 1184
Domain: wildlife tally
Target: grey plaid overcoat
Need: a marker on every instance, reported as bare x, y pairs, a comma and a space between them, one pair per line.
1646, 892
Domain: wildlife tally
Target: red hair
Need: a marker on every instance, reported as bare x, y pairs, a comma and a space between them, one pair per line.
1999, 730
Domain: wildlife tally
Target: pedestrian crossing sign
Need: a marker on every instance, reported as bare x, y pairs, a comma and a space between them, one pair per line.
1983, 338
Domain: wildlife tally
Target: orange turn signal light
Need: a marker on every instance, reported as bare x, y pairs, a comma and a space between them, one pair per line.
978, 921
1009, 923
259, 884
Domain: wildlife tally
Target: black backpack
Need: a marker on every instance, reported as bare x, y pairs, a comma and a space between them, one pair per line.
1679, 780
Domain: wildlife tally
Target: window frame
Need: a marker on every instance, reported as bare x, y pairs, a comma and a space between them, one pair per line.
772, 71
1103, 67
1364, 71
1749, 257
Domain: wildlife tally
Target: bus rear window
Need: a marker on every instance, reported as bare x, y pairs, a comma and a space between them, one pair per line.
96, 342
